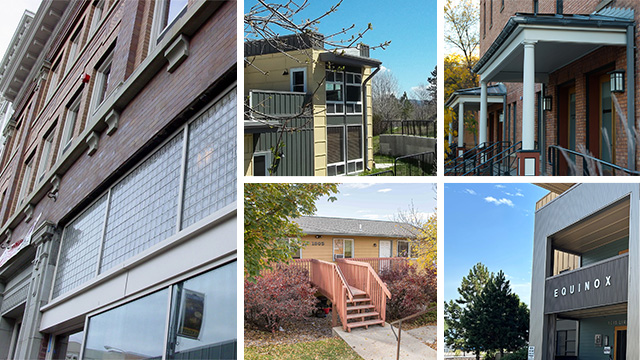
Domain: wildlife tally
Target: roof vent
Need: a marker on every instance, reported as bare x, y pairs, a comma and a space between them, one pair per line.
360, 227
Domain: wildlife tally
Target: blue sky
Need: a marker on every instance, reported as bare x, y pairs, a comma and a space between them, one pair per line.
491, 224
378, 201
411, 25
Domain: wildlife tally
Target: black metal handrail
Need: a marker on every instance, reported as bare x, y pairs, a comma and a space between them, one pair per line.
421, 158
498, 159
424, 128
588, 162
476, 158
464, 155
382, 173
399, 322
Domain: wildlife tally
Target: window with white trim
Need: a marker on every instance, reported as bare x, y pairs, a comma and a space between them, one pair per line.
45, 155
334, 89
165, 14
53, 79
342, 249
26, 179
74, 48
298, 79
261, 163
98, 10
69, 124
101, 84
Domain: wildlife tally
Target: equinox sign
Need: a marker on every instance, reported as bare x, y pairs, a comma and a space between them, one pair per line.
580, 288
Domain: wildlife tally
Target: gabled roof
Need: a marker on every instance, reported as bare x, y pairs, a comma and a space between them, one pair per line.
492, 90
318, 225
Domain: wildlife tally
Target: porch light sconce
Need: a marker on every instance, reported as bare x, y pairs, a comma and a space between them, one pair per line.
374, 244
285, 72
547, 102
617, 81
318, 236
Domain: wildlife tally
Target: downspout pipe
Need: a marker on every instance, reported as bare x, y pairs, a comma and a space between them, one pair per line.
631, 97
366, 116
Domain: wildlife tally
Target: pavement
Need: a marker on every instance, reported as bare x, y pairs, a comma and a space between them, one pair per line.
379, 343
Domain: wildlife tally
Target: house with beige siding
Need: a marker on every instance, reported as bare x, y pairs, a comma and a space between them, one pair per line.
311, 104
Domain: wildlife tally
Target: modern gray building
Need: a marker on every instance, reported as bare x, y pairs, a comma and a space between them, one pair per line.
585, 286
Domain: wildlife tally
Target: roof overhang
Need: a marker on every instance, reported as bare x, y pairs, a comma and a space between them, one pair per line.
348, 60
471, 97
252, 126
26, 46
559, 41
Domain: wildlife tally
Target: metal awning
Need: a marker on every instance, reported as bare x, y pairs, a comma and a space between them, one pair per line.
339, 58
471, 97
559, 40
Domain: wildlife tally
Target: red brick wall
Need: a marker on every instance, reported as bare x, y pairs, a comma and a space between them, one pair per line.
212, 52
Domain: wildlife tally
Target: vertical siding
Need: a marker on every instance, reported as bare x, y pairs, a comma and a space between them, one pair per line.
604, 325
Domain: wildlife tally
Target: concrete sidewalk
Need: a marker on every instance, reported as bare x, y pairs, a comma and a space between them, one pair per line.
379, 343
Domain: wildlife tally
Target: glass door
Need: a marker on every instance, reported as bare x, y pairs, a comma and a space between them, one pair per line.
620, 343
607, 122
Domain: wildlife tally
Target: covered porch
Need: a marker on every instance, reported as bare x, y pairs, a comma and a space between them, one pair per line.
577, 108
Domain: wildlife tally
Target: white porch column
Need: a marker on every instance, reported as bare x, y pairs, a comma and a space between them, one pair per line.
450, 133
528, 96
460, 124
482, 132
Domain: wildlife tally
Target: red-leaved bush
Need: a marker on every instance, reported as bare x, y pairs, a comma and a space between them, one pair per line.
412, 290
280, 296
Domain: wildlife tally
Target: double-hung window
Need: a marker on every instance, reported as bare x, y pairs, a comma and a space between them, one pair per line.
69, 124
26, 179
103, 73
334, 92
342, 249
166, 13
47, 145
98, 10
53, 79
335, 150
74, 47
403, 248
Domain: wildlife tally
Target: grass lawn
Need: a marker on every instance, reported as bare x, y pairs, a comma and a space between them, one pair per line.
333, 348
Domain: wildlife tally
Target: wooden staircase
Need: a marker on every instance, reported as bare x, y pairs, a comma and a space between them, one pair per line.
361, 312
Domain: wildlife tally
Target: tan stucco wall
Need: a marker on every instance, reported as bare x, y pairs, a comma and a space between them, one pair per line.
363, 246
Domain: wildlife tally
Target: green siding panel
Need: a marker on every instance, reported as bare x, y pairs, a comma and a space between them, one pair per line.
297, 157
604, 325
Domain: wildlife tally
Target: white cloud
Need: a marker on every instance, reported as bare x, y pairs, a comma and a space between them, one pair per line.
384, 68
469, 191
372, 217
384, 190
503, 201
500, 186
426, 215
357, 185
519, 194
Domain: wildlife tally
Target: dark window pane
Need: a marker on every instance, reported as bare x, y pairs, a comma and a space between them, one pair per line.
354, 137
353, 93
335, 143
334, 92
259, 165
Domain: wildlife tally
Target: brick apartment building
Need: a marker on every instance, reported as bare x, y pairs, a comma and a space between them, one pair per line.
557, 59
118, 181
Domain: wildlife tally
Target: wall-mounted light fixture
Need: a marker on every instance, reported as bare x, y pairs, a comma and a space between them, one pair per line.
285, 72
547, 102
374, 244
318, 236
617, 80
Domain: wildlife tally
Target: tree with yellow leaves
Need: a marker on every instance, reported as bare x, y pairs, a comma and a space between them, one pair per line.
424, 243
457, 76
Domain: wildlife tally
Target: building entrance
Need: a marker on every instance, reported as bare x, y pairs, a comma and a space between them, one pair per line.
620, 343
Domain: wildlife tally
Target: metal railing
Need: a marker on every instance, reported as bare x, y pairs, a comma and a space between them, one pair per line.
590, 164
415, 164
399, 322
475, 157
423, 128
499, 164
383, 173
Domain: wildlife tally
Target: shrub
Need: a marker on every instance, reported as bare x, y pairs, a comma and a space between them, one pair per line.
283, 295
518, 355
411, 290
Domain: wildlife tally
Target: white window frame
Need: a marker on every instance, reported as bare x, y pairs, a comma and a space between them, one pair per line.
69, 124
47, 147
408, 248
303, 70
74, 47
26, 178
267, 161
331, 104
96, 18
353, 83
344, 151
344, 240
100, 94
53, 79
159, 27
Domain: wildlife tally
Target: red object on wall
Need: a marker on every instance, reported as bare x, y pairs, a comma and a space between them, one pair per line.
85, 78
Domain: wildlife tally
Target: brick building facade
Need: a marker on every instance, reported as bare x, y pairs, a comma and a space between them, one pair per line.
119, 155
573, 47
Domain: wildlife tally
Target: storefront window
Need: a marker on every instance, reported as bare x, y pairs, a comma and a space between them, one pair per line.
67, 347
131, 331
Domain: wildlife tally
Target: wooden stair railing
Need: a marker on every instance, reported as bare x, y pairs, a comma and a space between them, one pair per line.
328, 278
361, 276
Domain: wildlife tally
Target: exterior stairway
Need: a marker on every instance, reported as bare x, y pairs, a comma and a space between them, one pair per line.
361, 312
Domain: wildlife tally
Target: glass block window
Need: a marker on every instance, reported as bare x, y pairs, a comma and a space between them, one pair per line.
79, 248
210, 178
143, 206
